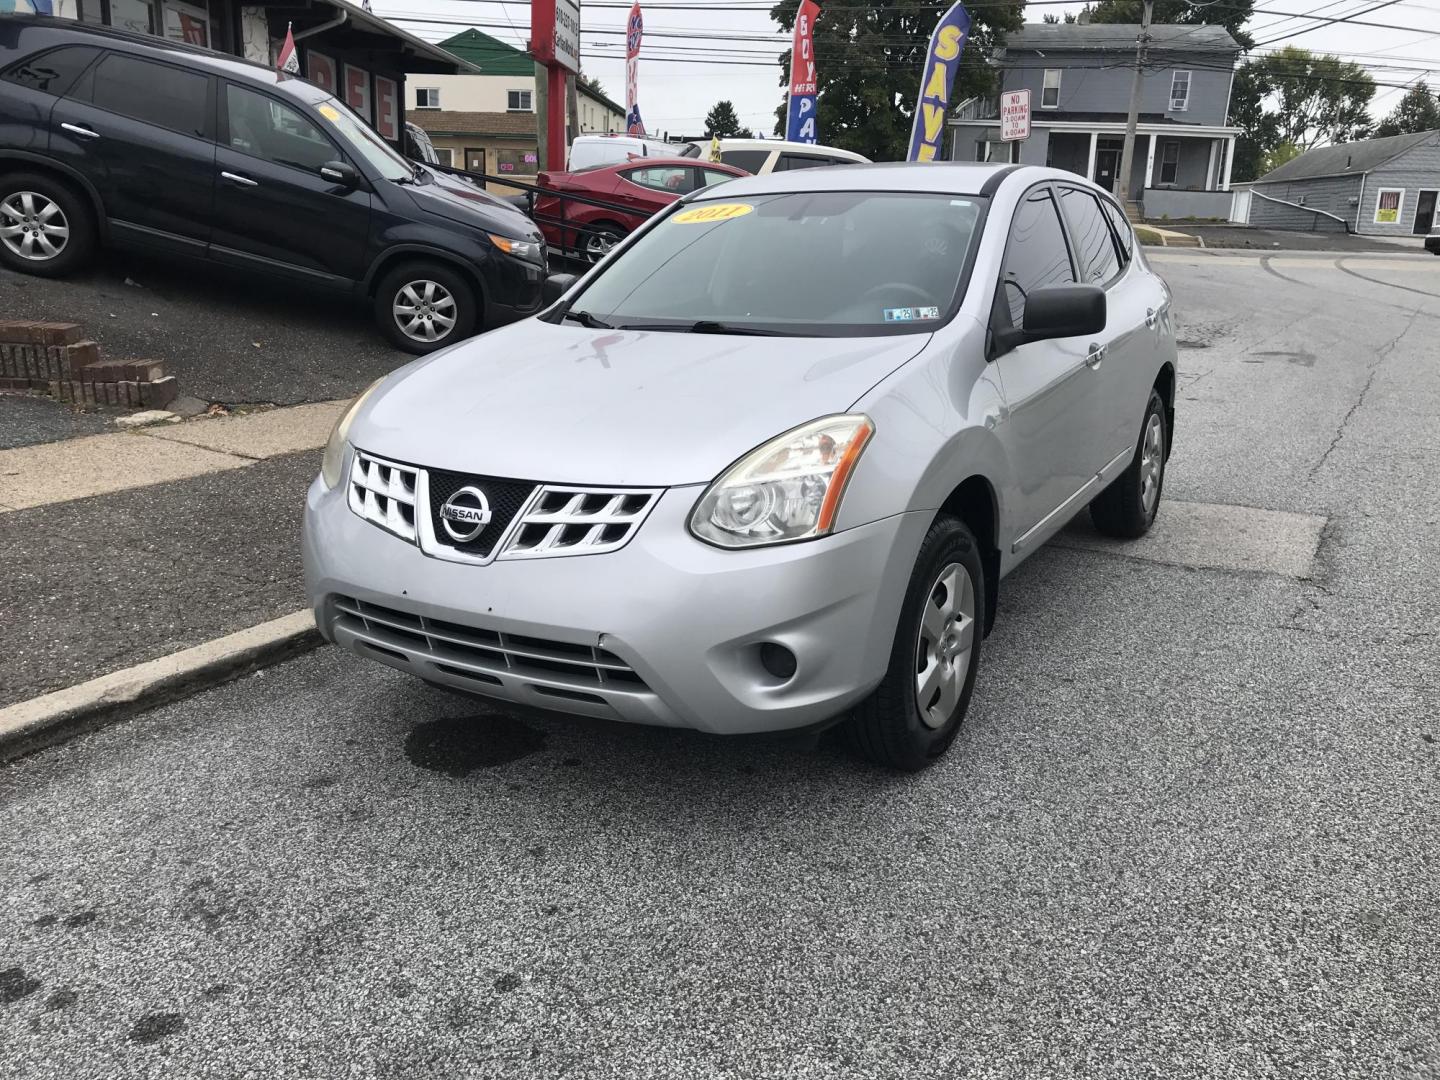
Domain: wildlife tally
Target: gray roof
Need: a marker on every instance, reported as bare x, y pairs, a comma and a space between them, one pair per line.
1355, 157
1171, 37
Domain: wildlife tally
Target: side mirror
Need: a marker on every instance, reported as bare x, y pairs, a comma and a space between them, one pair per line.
1055, 312
341, 173
555, 286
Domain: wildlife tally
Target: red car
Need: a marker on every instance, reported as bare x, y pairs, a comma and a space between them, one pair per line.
642, 187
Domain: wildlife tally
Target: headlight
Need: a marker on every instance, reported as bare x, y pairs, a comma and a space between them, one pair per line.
788, 489
521, 249
334, 458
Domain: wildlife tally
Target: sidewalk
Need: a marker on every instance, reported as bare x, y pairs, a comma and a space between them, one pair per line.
125, 547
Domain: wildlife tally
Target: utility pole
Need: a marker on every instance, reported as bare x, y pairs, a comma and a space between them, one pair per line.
1127, 156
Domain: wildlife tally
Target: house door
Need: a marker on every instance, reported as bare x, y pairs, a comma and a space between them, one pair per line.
1107, 167
474, 160
1425, 213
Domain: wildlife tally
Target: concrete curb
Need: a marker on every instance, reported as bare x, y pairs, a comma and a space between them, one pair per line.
52, 718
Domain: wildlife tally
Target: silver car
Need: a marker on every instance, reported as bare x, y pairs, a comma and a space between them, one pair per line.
765, 466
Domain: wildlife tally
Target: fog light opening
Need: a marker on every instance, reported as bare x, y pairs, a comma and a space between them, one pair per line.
777, 660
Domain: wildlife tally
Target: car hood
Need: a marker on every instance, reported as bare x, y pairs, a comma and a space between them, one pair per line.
563, 404
455, 200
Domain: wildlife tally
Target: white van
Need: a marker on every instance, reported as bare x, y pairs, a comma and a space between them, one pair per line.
762, 156
588, 150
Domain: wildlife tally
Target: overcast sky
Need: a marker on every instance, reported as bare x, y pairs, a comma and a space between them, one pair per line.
677, 91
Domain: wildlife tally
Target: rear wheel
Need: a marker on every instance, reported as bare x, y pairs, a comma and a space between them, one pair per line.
45, 227
424, 306
1127, 508
916, 711
600, 240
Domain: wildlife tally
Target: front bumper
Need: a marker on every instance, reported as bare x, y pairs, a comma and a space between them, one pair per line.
686, 620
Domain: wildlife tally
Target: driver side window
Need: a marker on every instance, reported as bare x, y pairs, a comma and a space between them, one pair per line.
1037, 254
264, 128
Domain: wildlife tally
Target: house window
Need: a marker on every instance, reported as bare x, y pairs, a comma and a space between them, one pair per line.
519, 101
444, 156
1050, 95
427, 97
1169, 161
1387, 206
1180, 91
982, 150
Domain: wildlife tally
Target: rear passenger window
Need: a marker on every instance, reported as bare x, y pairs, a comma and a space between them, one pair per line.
1122, 230
1036, 255
752, 161
52, 72
1095, 247
800, 161
152, 93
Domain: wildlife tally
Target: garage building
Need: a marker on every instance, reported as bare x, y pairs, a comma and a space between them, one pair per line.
1379, 187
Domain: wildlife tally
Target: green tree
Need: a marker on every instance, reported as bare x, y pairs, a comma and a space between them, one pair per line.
1277, 156
1317, 98
1260, 129
1418, 111
1055, 19
592, 84
870, 60
721, 121
1232, 16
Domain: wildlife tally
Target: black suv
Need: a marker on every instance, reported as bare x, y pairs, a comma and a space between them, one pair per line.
113, 138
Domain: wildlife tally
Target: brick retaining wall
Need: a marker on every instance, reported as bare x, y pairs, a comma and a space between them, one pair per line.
51, 358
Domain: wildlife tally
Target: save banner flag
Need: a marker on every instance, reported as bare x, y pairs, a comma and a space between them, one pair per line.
802, 124
634, 31
927, 134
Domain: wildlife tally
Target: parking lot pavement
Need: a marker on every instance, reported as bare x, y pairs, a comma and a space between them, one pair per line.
226, 337
1187, 830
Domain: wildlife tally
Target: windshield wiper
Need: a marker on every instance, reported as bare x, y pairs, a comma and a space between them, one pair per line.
585, 319
708, 326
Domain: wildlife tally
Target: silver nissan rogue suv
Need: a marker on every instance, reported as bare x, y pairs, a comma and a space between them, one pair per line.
765, 465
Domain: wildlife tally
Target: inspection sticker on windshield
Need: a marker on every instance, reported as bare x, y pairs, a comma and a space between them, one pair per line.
910, 314
703, 215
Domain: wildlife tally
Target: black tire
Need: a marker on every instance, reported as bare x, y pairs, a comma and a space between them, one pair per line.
70, 208
888, 727
451, 295
1122, 509
601, 233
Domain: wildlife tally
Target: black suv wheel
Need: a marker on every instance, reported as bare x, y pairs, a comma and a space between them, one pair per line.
424, 306
45, 227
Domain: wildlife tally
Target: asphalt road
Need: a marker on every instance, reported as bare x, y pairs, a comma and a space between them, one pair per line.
226, 337
1189, 829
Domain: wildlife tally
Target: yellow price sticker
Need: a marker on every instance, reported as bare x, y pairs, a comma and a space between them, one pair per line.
330, 113
703, 215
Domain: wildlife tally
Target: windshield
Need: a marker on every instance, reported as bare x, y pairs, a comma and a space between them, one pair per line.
363, 140
834, 264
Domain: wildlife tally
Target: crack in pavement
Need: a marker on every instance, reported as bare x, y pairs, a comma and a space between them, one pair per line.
1380, 354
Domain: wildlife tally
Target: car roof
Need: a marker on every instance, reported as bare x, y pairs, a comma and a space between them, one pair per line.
232, 67
941, 177
789, 147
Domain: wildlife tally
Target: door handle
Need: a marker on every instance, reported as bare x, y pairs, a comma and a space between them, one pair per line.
243, 181
1152, 317
1095, 355
83, 132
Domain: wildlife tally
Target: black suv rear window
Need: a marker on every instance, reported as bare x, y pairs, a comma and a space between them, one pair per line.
52, 72
153, 93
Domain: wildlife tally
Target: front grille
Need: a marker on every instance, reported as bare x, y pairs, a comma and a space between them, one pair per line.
482, 654
578, 521
383, 492
505, 497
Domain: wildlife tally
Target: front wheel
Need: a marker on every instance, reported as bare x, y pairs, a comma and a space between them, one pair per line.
916, 711
1127, 508
424, 306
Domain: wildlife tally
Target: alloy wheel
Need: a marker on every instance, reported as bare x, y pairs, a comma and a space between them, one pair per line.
1152, 462
944, 644
33, 226
424, 310
598, 245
